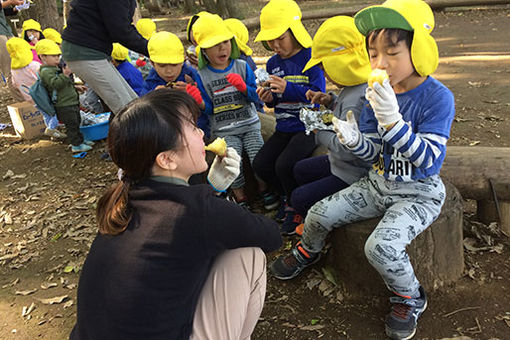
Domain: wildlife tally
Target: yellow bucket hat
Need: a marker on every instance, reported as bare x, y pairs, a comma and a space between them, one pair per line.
210, 30
340, 48
165, 48
52, 34
192, 21
47, 47
20, 52
277, 17
146, 27
409, 15
30, 24
119, 52
241, 34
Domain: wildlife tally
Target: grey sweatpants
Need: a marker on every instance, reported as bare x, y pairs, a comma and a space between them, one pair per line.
251, 142
407, 208
105, 80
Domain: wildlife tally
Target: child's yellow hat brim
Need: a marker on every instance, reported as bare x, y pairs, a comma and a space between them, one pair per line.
341, 49
165, 48
241, 34
20, 52
277, 17
410, 15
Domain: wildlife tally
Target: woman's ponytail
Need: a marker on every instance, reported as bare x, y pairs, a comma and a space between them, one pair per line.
113, 214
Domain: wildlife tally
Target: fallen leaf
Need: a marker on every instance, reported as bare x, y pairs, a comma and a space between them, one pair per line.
312, 328
54, 300
47, 285
25, 292
27, 310
68, 304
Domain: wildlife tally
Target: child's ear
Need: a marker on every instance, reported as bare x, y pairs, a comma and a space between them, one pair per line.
167, 160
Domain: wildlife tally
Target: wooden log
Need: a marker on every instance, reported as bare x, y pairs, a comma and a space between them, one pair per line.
470, 168
487, 212
436, 254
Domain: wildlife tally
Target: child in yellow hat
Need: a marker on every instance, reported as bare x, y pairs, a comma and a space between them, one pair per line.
228, 87
191, 51
147, 28
403, 132
132, 75
24, 72
52, 34
338, 49
32, 33
67, 104
166, 54
281, 31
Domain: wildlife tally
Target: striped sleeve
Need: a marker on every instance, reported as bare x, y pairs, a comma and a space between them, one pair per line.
422, 149
368, 147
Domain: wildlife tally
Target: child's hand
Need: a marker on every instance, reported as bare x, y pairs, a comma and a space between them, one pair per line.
237, 81
179, 85
347, 131
265, 95
384, 103
195, 93
278, 84
160, 87
80, 88
318, 97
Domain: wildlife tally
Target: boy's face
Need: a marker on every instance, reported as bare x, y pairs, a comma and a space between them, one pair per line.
50, 60
285, 45
168, 72
394, 57
219, 54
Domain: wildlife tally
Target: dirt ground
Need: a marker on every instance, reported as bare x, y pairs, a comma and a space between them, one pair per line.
47, 201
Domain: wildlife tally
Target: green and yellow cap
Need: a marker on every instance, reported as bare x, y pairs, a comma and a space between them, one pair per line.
410, 15
340, 48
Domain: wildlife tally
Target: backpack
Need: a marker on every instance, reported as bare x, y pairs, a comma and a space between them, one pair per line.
41, 97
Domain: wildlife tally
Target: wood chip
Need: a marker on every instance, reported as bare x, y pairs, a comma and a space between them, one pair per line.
54, 300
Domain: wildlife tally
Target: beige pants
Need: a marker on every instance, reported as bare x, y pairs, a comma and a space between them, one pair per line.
233, 296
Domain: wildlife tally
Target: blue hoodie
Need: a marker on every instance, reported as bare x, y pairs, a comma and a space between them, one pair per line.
132, 75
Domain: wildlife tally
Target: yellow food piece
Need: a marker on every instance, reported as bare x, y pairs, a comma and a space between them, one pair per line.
377, 76
327, 118
218, 146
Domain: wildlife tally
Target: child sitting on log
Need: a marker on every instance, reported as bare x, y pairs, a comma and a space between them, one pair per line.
403, 132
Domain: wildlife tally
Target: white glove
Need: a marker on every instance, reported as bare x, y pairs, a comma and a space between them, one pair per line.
384, 103
347, 131
224, 170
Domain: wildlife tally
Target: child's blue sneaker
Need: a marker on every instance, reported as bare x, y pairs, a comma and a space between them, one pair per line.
401, 322
80, 148
289, 266
292, 220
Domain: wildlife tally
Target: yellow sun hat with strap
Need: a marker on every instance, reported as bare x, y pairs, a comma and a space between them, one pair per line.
191, 22
20, 52
30, 24
341, 49
241, 34
52, 34
119, 52
146, 27
410, 15
210, 30
165, 48
277, 17
47, 47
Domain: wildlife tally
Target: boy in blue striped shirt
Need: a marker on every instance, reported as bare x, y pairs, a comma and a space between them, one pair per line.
403, 131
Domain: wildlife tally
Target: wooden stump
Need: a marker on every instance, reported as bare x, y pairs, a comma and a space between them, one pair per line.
436, 254
486, 212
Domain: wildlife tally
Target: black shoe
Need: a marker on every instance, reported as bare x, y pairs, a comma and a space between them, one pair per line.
292, 220
401, 322
270, 200
289, 266
280, 214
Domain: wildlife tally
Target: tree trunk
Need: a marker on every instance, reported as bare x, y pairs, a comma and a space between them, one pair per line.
232, 8
152, 6
137, 16
45, 12
189, 6
210, 6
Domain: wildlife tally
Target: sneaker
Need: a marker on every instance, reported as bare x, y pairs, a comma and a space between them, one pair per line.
54, 133
80, 148
89, 142
300, 228
280, 214
270, 200
292, 220
401, 322
288, 266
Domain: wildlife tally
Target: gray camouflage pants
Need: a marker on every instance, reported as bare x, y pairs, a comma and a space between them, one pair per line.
407, 208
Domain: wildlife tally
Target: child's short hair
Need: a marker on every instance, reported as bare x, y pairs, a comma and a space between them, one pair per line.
392, 36
279, 16
340, 48
165, 48
408, 15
